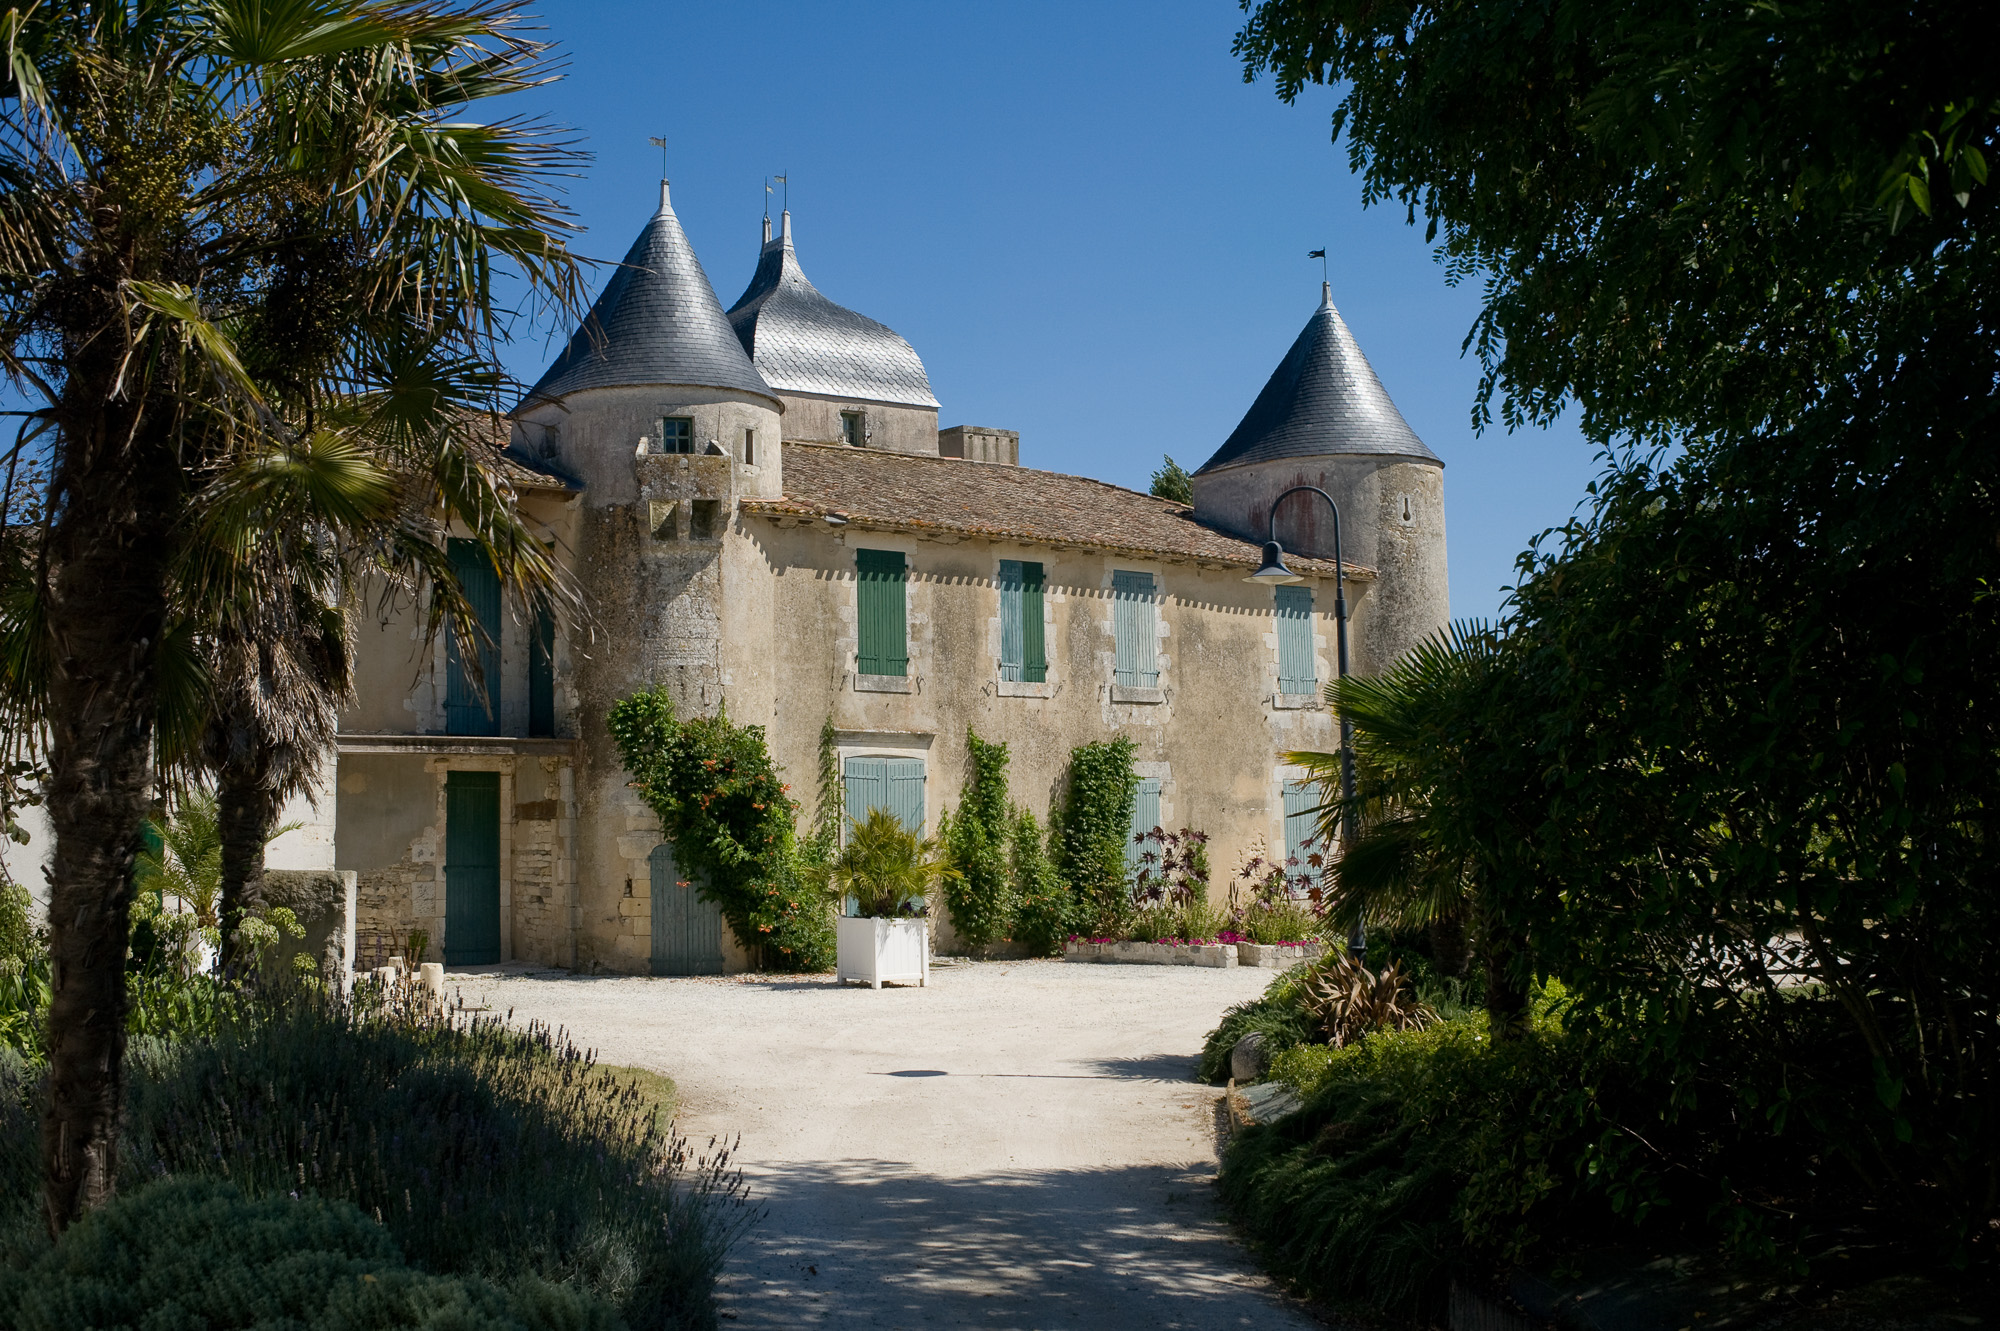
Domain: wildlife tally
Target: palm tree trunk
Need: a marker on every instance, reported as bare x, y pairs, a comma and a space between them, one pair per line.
107, 605
243, 817
1506, 997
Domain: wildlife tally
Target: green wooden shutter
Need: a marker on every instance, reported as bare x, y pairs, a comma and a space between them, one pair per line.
1296, 673
465, 711
542, 675
1145, 817
881, 613
1301, 802
471, 868
1132, 620
906, 792
1021, 654
1011, 646
867, 783
1034, 659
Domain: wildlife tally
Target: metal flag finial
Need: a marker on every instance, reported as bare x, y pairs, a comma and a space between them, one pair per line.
1321, 256
658, 142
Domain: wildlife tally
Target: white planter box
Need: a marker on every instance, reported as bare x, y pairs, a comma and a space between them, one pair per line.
1206, 954
875, 950
1082, 951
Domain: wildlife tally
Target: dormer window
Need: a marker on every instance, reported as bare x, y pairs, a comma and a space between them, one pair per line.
676, 435
854, 429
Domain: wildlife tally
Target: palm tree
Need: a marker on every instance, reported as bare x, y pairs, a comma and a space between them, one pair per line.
1427, 821
195, 194
888, 869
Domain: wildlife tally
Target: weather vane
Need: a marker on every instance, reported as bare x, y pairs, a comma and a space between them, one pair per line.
661, 144
1310, 254
788, 190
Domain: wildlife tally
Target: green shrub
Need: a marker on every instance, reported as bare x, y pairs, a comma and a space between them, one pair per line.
981, 898
197, 1253
716, 792
1092, 825
1041, 903
485, 1151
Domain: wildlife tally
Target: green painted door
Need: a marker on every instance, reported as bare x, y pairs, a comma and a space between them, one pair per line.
466, 711
687, 931
1145, 817
1302, 803
895, 784
471, 868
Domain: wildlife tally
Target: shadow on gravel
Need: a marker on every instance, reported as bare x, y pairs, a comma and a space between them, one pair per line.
1148, 1067
876, 1244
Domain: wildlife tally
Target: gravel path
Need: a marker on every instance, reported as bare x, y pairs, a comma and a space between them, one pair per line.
1017, 1146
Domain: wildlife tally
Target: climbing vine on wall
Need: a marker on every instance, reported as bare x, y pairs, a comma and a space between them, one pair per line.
976, 839
716, 792
1095, 819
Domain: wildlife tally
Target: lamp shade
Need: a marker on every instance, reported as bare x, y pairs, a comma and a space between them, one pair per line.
1274, 570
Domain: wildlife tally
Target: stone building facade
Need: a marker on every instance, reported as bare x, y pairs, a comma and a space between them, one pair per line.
761, 512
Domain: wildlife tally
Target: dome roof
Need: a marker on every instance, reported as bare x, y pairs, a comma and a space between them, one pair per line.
658, 322
1322, 399
804, 343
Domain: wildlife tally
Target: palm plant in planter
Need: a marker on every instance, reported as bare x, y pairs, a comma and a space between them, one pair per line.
888, 872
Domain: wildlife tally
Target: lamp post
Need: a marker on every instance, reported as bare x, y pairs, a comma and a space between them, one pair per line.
1274, 573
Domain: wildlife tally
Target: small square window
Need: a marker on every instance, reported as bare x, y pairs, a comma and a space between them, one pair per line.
676, 435
854, 428
749, 448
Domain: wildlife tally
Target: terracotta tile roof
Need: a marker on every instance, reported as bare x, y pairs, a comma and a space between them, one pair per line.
521, 469
904, 492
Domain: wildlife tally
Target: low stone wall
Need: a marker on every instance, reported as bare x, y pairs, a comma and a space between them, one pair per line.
1153, 954
1278, 956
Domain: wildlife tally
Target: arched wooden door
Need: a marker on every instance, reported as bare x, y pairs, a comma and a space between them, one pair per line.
687, 931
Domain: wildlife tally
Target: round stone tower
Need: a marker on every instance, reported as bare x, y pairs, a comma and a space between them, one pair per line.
1325, 420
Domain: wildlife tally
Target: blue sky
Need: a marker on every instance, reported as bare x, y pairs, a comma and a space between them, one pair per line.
1091, 229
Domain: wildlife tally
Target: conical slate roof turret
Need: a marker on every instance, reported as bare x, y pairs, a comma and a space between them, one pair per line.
658, 322
804, 343
1322, 399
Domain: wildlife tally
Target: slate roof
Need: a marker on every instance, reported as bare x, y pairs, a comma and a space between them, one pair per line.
1323, 398
804, 343
908, 492
657, 322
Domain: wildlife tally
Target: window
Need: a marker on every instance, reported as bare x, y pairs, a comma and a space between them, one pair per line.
1145, 817
1021, 656
1133, 618
1296, 671
749, 448
704, 519
676, 434
1301, 803
470, 709
854, 428
880, 613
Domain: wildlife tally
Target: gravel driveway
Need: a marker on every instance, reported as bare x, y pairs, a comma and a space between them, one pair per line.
1018, 1145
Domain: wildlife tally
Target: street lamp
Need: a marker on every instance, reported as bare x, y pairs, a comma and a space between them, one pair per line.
1274, 573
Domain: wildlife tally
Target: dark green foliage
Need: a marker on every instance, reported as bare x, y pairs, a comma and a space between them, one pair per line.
196, 1253
1042, 905
485, 1151
1733, 770
1091, 829
981, 899
1171, 481
718, 798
